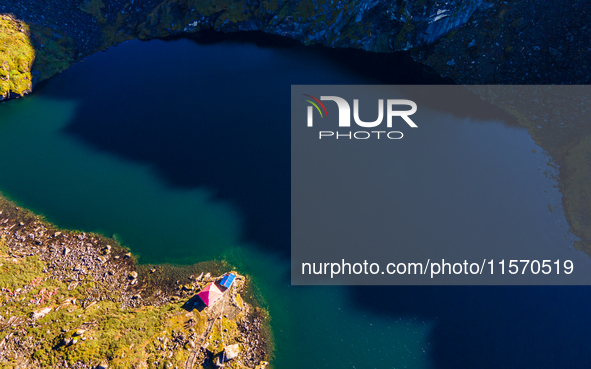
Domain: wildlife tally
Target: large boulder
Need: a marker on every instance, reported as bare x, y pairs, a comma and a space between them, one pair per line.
230, 352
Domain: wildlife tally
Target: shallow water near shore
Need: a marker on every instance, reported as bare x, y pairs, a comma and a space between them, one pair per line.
181, 149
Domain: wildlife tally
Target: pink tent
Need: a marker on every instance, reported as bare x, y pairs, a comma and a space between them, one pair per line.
210, 294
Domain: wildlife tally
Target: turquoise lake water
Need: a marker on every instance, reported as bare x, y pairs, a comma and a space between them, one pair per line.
159, 143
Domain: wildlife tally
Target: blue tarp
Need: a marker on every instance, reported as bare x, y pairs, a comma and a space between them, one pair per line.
227, 280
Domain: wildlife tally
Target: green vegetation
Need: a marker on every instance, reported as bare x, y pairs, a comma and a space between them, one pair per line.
558, 124
94, 8
59, 308
54, 51
577, 192
16, 57
224, 330
26, 50
305, 9
62, 326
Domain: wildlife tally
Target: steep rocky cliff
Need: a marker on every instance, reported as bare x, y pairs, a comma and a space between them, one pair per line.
471, 41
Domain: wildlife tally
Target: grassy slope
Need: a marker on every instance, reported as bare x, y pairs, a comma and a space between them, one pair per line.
16, 57
73, 332
557, 123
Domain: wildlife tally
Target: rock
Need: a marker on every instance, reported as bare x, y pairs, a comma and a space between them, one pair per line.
136, 297
230, 352
262, 365
41, 313
132, 275
103, 365
66, 251
57, 234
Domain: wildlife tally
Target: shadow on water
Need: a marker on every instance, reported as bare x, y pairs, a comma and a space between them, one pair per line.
230, 131
220, 118
373, 68
494, 327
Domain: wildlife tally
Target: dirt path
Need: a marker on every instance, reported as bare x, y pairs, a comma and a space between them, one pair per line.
199, 344
215, 313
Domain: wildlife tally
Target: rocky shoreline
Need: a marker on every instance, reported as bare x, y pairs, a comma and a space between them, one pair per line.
469, 41
555, 117
71, 287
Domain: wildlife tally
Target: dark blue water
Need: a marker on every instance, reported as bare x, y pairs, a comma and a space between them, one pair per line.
161, 143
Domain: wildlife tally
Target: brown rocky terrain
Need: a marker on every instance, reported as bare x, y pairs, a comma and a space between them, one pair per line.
70, 299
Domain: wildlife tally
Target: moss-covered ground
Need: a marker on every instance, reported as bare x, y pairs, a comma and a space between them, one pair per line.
49, 315
16, 57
